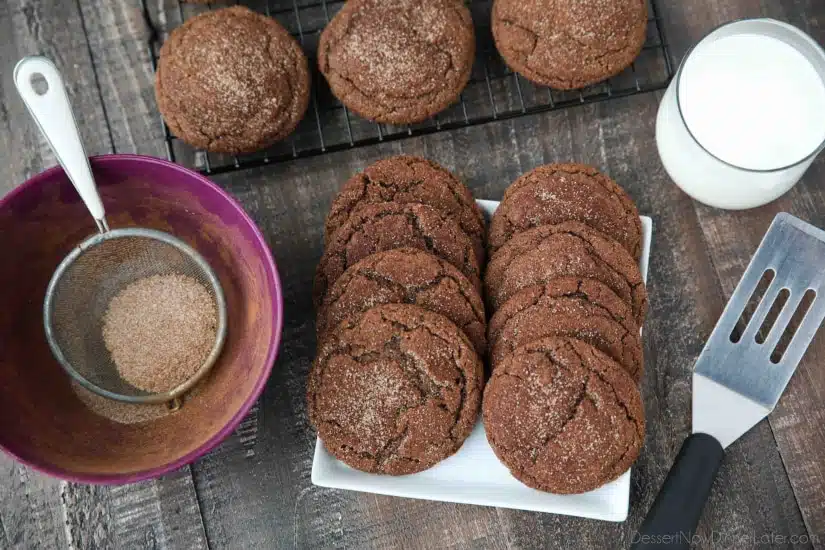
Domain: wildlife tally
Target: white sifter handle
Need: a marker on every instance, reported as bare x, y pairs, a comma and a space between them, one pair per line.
53, 113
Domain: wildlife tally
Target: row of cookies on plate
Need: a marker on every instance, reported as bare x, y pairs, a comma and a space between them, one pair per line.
397, 382
235, 81
562, 409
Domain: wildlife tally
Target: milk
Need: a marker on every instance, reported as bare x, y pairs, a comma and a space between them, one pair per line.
745, 116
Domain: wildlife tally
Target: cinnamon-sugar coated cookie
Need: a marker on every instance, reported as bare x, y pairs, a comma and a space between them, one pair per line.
386, 226
232, 81
570, 44
395, 391
398, 61
557, 193
580, 308
563, 417
408, 179
406, 276
543, 253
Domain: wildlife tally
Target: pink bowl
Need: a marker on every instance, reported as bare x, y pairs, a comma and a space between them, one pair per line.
42, 422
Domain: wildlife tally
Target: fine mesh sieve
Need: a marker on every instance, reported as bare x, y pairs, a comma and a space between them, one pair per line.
103, 265
85, 283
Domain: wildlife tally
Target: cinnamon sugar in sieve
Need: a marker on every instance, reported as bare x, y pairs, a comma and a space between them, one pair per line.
160, 330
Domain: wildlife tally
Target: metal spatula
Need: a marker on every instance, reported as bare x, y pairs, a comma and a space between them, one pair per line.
743, 369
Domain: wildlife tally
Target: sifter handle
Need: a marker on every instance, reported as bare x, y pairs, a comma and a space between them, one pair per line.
52, 112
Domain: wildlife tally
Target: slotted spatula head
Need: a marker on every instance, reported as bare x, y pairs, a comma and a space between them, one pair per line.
749, 359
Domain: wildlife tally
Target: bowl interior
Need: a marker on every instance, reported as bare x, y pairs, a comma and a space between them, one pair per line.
42, 421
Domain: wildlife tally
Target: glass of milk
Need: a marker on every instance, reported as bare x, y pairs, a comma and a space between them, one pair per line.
745, 115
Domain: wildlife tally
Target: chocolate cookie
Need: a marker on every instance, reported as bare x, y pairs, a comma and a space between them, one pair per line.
406, 179
569, 249
571, 44
232, 81
385, 226
563, 416
557, 193
395, 390
406, 276
398, 62
580, 308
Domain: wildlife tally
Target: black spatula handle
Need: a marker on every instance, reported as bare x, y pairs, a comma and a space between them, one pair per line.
672, 519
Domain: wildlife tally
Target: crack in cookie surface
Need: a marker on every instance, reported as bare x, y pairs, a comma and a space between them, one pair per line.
396, 391
388, 226
411, 276
563, 417
580, 308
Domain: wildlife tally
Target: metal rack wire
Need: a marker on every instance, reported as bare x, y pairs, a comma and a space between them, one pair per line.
493, 93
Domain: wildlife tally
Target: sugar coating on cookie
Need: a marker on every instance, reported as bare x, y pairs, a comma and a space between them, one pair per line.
406, 276
563, 417
573, 249
580, 308
409, 179
398, 61
232, 81
570, 44
395, 391
386, 226
557, 193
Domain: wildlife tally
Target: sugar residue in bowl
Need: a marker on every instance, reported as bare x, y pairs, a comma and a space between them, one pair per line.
126, 413
160, 330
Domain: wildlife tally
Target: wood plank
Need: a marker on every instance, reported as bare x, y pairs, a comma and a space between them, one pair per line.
732, 238
150, 514
57, 32
119, 43
30, 511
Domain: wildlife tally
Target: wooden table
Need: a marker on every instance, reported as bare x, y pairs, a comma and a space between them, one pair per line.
254, 491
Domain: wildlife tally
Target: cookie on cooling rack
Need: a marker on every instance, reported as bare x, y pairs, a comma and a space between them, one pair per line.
398, 62
571, 44
232, 81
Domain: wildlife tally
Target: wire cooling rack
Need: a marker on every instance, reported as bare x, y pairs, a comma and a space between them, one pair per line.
493, 93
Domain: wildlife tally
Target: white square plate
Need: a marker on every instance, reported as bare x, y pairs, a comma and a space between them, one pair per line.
474, 475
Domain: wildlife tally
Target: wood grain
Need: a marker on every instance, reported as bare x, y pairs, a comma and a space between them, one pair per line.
254, 491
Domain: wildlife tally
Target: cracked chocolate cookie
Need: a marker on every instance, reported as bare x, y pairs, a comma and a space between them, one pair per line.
232, 81
580, 308
406, 276
569, 249
407, 179
563, 417
571, 44
398, 62
557, 193
395, 391
386, 226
